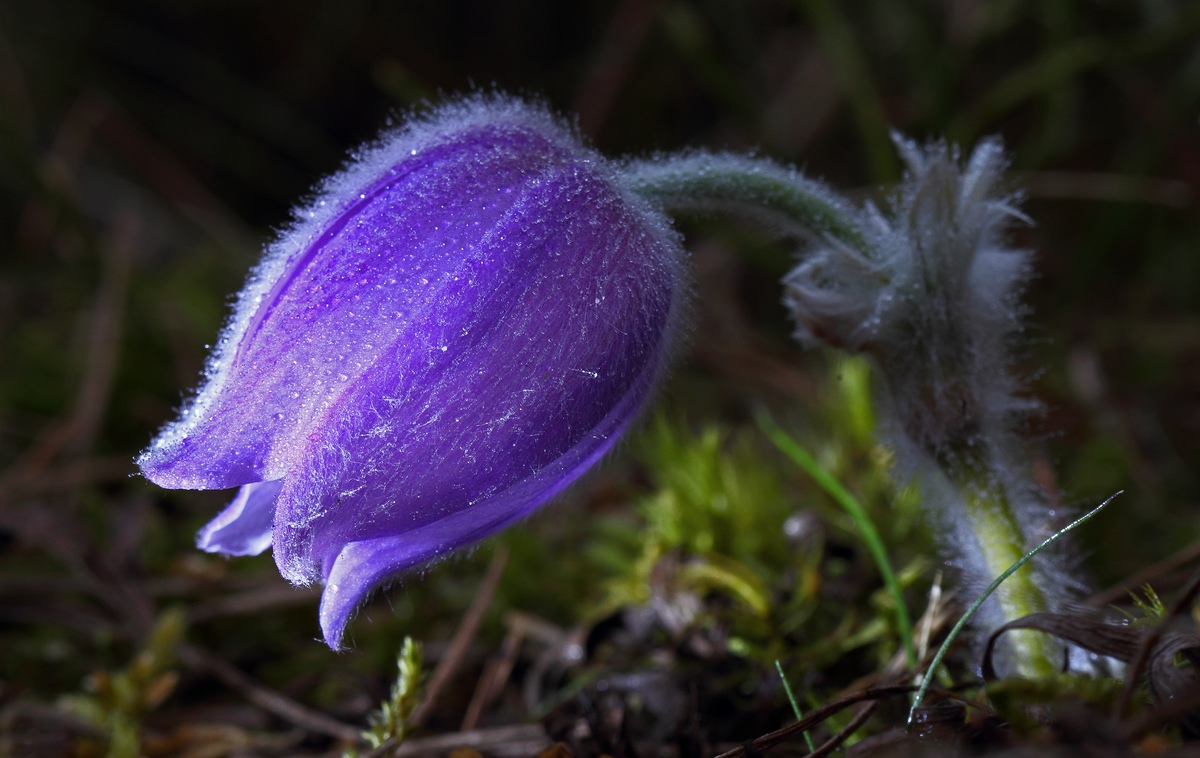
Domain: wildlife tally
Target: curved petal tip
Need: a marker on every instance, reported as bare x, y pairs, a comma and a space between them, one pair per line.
244, 527
359, 568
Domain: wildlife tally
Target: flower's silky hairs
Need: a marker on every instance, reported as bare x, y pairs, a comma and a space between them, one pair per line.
461, 324
932, 296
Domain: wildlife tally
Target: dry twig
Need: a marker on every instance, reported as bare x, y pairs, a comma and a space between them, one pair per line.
791, 731
467, 628
264, 697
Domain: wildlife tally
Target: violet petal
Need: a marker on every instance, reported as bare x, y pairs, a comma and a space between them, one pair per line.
244, 527
456, 330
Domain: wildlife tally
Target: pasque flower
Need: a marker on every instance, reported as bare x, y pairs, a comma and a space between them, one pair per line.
461, 323
469, 316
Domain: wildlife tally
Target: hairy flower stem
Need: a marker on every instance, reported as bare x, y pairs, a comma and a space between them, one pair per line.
745, 187
927, 293
1002, 544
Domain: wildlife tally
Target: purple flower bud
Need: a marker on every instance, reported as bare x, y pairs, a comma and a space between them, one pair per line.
463, 322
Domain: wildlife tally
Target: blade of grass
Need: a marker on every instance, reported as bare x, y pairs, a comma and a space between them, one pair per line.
787, 688
962, 622
854, 509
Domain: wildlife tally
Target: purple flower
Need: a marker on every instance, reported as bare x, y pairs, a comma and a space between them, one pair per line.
462, 323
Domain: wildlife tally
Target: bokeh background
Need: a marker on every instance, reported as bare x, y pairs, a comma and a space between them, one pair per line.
148, 150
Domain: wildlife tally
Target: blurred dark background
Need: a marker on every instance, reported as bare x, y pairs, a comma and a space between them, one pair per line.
148, 149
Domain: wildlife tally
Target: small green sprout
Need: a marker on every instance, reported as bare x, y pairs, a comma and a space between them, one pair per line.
390, 722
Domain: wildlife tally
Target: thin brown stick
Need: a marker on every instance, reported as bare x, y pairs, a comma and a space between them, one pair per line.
264, 697
612, 62
834, 742
516, 740
61, 452
456, 652
162, 171
104, 336
82, 620
791, 731
252, 601
59, 533
27, 481
495, 676
14, 91
1118, 188
71, 438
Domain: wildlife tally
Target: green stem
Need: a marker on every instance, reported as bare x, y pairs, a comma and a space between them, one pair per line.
1002, 544
756, 189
